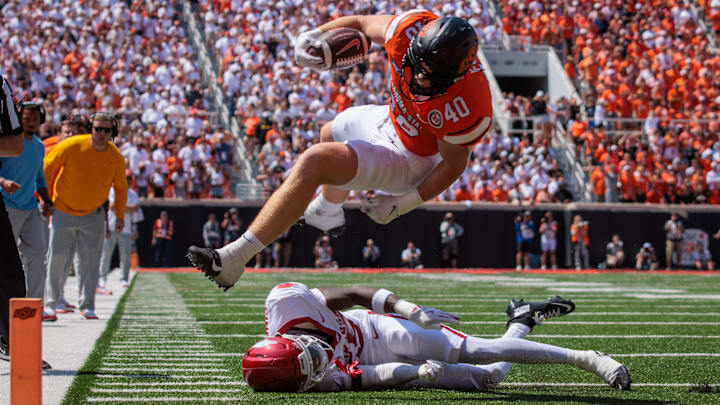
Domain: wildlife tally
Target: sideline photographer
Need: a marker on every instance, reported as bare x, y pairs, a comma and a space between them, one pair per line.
646, 258
580, 242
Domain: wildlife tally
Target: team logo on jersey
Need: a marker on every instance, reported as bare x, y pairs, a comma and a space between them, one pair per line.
435, 118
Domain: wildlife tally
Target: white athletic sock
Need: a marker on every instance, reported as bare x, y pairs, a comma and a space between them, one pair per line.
517, 330
328, 206
240, 251
582, 359
491, 374
511, 349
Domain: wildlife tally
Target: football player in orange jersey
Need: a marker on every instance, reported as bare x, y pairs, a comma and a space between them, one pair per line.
411, 149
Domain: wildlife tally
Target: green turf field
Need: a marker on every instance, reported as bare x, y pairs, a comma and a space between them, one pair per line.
177, 338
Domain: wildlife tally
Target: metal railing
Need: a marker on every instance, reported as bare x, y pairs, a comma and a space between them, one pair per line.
210, 75
249, 192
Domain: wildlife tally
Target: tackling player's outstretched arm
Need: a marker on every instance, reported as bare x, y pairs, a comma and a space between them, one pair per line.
383, 301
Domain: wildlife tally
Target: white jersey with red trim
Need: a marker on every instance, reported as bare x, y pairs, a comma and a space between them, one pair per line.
359, 334
461, 116
290, 304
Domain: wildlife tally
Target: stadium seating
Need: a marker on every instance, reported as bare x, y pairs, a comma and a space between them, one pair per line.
281, 106
650, 90
647, 76
134, 60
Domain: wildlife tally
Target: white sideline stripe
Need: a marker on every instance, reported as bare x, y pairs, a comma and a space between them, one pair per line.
206, 346
159, 318
576, 313
584, 305
553, 384
162, 390
165, 399
163, 369
503, 323
619, 336
237, 335
140, 350
666, 355
496, 313
133, 348
629, 298
162, 363
164, 360
144, 354
178, 383
187, 343
167, 377
225, 305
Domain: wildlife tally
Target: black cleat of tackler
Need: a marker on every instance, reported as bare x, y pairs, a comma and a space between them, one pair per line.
203, 259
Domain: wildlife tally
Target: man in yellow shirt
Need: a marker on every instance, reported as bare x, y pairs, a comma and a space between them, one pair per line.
79, 172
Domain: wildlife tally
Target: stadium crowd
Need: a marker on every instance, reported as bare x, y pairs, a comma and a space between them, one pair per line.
132, 58
645, 60
282, 106
648, 61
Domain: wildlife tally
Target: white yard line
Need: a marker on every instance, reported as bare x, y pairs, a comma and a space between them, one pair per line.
179, 355
554, 384
177, 383
162, 369
504, 322
163, 363
619, 336
165, 399
168, 376
164, 390
577, 313
634, 298
666, 355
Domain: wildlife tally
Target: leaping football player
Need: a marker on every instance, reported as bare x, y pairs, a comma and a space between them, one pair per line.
314, 344
413, 148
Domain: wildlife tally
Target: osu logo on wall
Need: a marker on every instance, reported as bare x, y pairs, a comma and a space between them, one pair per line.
25, 313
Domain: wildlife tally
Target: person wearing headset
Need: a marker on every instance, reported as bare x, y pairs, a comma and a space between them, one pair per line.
79, 172
20, 178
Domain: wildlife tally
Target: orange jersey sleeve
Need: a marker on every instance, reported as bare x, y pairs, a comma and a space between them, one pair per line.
461, 116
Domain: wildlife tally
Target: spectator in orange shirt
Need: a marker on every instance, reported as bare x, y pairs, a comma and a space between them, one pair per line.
500, 194
483, 193
653, 196
463, 194
597, 178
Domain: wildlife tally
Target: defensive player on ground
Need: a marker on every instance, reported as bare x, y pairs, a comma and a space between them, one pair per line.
313, 346
412, 149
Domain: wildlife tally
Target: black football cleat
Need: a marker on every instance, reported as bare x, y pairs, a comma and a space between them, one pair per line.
534, 313
208, 261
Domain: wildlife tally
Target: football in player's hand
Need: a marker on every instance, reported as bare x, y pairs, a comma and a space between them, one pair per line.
341, 48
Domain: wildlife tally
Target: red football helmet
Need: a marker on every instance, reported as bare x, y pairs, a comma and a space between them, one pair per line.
286, 363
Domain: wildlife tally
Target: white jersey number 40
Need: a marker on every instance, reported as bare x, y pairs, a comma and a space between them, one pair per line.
456, 110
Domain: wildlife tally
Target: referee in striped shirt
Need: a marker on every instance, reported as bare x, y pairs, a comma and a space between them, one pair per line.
12, 278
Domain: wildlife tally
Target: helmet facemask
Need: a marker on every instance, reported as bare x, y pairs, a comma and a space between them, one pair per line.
443, 52
417, 64
314, 359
